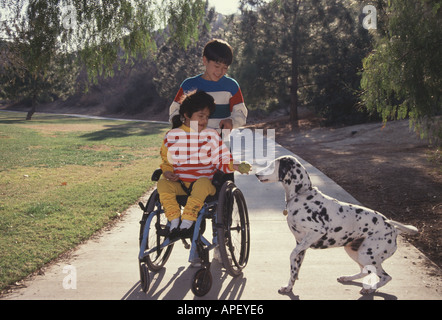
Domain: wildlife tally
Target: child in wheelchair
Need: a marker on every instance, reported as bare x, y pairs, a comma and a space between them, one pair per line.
191, 154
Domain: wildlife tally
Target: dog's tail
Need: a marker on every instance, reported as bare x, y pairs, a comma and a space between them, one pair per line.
408, 229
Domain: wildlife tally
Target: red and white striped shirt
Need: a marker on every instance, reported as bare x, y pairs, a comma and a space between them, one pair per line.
192, 155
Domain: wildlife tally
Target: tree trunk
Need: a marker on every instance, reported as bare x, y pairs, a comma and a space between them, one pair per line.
33, 108
294, 89
295, 65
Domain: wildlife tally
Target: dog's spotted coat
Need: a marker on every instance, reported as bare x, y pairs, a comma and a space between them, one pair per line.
319, 221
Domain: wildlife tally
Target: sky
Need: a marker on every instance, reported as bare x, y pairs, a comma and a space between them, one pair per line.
221, 6
225, 6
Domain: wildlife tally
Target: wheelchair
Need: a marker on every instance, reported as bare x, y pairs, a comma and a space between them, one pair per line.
227, 210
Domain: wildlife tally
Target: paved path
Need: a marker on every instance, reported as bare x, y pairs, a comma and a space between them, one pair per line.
106, 266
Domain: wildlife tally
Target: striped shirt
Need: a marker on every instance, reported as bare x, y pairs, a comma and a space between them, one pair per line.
228, 99
192, 155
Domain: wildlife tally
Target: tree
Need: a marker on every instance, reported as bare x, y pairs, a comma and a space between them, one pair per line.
268, 65
176, 63
33, 67
46, 35
303, 52
402, 76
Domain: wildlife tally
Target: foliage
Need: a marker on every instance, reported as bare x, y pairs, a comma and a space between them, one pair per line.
311, 49
175, 63
402, 77
185, 20
44, 37
33, 65
287, 53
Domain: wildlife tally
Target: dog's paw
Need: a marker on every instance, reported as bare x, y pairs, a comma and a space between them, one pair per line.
343, 279
285, 290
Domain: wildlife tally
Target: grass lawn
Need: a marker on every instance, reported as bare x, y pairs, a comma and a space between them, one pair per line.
64, 178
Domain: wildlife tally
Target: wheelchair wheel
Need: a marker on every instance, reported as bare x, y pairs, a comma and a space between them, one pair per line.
144, 277
233, 229
202, 282
156, 235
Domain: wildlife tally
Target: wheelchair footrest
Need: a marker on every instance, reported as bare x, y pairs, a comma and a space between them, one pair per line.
182, 234
176, 233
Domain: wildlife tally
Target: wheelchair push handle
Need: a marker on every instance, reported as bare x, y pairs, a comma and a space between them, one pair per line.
156, 175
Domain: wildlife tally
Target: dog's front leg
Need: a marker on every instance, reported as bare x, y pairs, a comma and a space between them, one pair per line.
296, 259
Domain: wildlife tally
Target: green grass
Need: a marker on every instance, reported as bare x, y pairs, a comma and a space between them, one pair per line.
64, 178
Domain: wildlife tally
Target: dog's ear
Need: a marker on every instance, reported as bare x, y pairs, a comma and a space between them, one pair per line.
285, 165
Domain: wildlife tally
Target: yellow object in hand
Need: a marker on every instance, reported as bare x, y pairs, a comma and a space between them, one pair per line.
244, 167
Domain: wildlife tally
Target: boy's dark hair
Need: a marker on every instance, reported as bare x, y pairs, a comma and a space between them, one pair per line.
219, 51
193, 102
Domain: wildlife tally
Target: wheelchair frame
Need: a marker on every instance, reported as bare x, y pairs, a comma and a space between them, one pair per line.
234, 256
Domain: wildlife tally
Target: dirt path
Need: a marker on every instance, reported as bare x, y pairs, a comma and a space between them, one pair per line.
386, 168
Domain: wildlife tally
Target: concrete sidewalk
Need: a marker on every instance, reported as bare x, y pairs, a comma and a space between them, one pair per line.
106, 266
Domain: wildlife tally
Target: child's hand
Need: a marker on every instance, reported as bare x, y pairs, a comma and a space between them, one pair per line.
244, 167
169, 175
226, 124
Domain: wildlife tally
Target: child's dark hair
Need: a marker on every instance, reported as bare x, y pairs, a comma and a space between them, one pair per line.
218, 51
193, 102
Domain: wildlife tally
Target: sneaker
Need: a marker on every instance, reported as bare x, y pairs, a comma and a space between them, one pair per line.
186, 224
174, 223
196, 263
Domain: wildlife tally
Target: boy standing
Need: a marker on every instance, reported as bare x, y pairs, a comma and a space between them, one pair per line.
230, 111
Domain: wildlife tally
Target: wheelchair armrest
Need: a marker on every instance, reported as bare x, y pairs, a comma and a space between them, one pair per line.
156, 175
218, 179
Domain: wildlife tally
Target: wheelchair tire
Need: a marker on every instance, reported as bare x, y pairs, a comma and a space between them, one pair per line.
233, 229
157, 259
202, 282
144, 277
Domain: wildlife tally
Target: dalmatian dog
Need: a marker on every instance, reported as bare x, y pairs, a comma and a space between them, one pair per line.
319, 221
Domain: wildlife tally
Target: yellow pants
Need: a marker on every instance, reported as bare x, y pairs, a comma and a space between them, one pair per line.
168, 190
